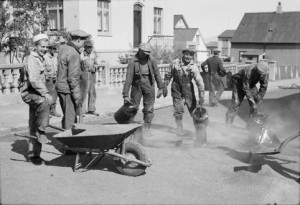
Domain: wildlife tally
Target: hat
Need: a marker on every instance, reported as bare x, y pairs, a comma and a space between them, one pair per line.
52, 45
145, 47
88, 43
39, 37
188, 50
263, 67
216, 50
79, 33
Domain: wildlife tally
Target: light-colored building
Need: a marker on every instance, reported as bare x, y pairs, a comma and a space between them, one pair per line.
224, 42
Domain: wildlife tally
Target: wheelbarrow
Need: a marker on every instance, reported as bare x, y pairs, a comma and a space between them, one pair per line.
115, 140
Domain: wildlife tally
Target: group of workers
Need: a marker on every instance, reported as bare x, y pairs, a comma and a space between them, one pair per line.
76, 70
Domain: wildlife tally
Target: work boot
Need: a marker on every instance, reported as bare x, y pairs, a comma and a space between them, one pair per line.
93, 113
201, 137
229, 120
179, 129
147, 130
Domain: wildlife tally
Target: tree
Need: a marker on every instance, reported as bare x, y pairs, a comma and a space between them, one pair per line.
20, 20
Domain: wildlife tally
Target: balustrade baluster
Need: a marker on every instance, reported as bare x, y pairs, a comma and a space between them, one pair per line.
6, 76
15, 83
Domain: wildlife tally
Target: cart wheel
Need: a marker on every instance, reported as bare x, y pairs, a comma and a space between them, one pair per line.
136, 151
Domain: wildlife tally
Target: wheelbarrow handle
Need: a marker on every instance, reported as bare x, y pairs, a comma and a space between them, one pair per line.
287, 140
57, 128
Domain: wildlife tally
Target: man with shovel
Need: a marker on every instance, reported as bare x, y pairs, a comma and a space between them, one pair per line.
244, 84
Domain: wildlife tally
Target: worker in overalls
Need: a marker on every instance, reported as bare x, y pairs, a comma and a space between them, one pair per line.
182, 89
142, 73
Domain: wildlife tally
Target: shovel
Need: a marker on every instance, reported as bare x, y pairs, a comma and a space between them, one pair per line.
263, 150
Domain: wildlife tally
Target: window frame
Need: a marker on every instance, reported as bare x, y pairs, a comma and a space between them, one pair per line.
156, 16
109, 10
59, 10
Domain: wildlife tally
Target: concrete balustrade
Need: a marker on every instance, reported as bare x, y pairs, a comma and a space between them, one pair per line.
114, 76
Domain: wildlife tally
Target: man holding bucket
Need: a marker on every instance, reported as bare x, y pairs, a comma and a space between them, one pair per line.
182, 89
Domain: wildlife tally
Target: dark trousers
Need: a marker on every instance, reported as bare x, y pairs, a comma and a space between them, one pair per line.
215, 87
238, 95
91, 99
68, 107
50, 85
144, 89
38, 121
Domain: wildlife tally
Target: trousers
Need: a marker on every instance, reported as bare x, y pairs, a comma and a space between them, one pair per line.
50, 85
68, 107
215, 87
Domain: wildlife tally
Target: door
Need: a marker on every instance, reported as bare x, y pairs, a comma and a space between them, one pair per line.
137, 25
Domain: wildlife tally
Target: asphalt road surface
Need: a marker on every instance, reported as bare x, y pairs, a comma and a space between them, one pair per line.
223, 172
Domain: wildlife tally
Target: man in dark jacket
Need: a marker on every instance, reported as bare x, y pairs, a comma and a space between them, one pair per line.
244, 84
215, 72
142, 72
68, 72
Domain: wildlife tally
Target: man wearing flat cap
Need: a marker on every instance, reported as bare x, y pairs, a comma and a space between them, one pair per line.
67, 85
182, 89
90, 67
142, 73
215, 72
244, 84
50, 74
35, 94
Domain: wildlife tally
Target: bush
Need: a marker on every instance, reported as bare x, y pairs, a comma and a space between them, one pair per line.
165, 55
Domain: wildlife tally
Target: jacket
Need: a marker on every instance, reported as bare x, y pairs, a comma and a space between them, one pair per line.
68, 70
34, 76
133, 70
248, 77
89, 61
215, 65
51, 65
176, 72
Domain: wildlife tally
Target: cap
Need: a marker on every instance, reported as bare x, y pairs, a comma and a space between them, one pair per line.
39, 37
88, 44
145, 47
52, 45
79, 33
188, 50
216, 50
263, 67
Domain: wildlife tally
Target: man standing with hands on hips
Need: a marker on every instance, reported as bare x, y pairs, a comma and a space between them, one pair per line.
68, 72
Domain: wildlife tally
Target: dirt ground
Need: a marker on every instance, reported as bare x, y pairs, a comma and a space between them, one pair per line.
220, 173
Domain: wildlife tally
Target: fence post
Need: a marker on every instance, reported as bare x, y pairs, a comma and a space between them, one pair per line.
272, 70
106, 74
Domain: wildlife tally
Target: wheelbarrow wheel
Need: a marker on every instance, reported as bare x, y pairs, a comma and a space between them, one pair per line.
136, 151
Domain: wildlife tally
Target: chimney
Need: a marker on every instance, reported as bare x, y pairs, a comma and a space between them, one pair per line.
279, 8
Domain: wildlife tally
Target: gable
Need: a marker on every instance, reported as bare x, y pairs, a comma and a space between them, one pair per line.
180, 22
268, 28
185, 34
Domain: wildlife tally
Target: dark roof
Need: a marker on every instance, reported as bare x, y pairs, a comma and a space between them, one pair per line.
177, 18
186, 34
212, 44
268, 28
227, 34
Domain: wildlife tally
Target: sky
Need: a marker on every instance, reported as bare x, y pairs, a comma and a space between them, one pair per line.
213, 17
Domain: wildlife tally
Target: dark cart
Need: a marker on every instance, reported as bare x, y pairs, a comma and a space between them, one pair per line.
112, 139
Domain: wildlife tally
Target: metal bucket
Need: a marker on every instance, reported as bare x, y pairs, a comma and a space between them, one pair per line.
200, 116
126, 113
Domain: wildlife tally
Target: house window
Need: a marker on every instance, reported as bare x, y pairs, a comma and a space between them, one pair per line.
157, 20
103, 14
56, 14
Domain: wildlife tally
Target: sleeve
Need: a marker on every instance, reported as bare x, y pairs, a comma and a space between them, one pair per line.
263, 81
169, 75
35, 78
128, 79
203, 64
246, 85
157, 76
73, 75
198, 79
